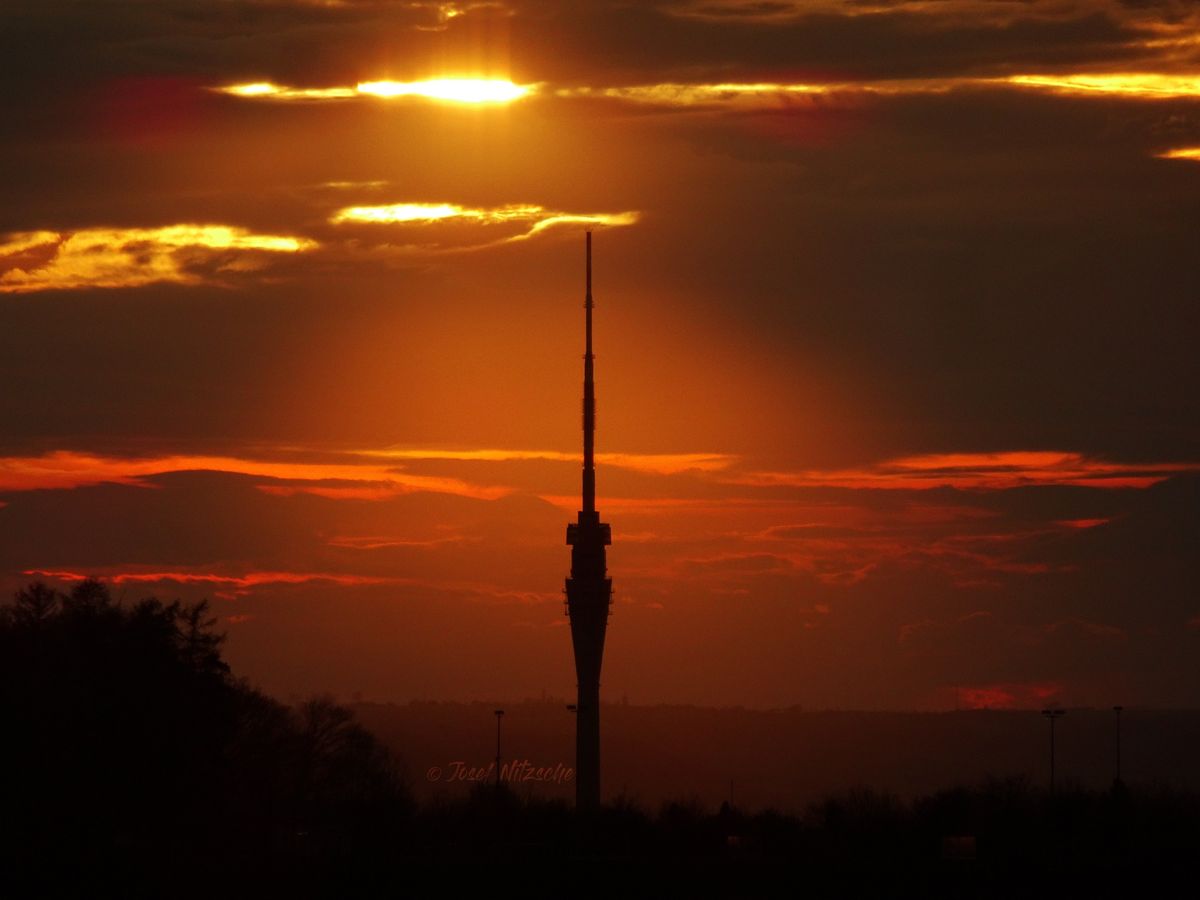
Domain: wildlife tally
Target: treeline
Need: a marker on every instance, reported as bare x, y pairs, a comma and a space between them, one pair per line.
131, 751
128, 744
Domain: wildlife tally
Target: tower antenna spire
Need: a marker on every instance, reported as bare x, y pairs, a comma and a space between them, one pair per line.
589, 397
589, 589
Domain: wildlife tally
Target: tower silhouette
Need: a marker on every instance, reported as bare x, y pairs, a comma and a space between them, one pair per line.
589, 589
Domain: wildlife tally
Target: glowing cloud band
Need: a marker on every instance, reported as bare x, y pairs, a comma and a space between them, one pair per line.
535, 218
1133, 85
129, 257
749, 93
1189, 153
980, 471
656, 463
451, 90
1140, 85
70, 469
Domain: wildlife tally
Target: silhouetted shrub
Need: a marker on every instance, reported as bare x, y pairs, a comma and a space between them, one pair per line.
127, 743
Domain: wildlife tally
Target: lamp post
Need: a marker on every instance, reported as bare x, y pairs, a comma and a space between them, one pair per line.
1117, 710
499, 716
1052, 714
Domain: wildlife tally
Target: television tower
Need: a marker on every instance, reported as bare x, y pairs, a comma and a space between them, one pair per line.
589, 589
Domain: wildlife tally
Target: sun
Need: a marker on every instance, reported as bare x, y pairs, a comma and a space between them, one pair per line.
457, 90
447, 90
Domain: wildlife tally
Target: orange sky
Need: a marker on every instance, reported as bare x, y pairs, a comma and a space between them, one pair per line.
895, 325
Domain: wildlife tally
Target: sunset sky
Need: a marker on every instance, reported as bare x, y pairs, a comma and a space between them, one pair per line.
896, 327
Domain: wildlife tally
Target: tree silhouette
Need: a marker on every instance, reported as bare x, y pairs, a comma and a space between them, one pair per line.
33, 605
128, 743
129, 750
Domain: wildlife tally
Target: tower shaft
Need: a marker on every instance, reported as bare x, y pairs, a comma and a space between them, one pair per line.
589, 589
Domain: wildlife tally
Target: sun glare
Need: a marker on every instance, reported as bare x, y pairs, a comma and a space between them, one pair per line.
399, 212
456, 90
452, 90
257, 89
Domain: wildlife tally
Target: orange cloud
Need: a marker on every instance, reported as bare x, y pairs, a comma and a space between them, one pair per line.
654, 463
1128, 85
232, 585
373, 474
396, 485
132, 257
979, 471
380, 474
667, 505
244, 581
69, 469
758, 93
1012, 695
986, 698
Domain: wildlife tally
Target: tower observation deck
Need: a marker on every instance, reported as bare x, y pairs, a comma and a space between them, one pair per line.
589, 589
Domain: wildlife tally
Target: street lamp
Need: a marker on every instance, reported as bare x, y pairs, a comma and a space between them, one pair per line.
1052, 714
499, 716
1117, 710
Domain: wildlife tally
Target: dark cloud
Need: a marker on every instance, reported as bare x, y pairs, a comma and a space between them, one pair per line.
585, 43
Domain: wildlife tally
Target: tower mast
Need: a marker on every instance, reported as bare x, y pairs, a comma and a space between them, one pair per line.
589, 396
589, 589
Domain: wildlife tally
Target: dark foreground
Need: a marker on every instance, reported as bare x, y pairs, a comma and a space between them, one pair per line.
132, 760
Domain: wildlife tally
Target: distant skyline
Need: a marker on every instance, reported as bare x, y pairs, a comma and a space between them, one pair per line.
897, 388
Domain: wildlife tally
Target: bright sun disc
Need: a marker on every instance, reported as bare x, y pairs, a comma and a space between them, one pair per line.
458, 90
